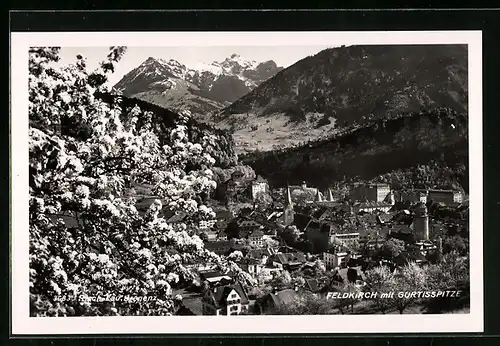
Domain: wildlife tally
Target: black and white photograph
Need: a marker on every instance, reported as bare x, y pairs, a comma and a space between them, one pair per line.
325, 177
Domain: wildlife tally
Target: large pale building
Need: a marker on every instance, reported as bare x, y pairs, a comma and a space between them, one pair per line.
370, 192
259, 186
445, 196
305, 194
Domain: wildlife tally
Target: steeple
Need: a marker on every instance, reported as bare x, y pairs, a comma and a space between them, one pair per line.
288, 210
288, 201
318, 196
330, 195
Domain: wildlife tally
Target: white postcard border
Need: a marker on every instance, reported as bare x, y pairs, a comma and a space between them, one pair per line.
22, 324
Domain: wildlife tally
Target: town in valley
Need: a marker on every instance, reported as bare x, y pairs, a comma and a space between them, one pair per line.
333, 181
302, 242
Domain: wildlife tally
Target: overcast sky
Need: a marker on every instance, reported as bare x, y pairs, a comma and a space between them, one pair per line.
189, 56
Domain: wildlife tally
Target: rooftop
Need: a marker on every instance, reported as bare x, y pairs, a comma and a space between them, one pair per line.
221, 293
283, 297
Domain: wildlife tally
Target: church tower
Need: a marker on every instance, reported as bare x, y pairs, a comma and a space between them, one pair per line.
330, 195
421, 222
288, 214
318, 197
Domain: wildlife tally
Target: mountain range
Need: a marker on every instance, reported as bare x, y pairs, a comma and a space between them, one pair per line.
342, 88
200, 89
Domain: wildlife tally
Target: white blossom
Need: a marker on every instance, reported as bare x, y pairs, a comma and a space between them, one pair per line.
65, 97
173, 277
103, 258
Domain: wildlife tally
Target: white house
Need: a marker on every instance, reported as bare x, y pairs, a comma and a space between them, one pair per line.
225, 300
334, 259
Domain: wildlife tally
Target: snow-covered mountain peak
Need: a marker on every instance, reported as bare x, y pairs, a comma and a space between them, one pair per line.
219, 81
236, 64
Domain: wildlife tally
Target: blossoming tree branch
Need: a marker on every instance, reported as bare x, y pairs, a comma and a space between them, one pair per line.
84, 154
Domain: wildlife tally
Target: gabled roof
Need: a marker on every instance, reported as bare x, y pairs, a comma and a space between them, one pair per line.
413, 256
257, 233
177, 217
288, 258
312, 285
222, 234
255, 253
443, 191
405, 235
296, 257
283, 297
247, 223
373, 205
237, 173
260, 179
184, 311
210, 274
286, 249
218, 244
401, 229
343, 273
223, 214
281, 258
383, 218
191, 307
313, 225
221, 293
319, 212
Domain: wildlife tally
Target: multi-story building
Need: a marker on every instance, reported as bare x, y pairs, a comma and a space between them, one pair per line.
246, 225
288, 261
370, 192
413, 196
347, 239
256, 238
445, 196
305, 194
259, 186
333, 259
230, 299
206, 224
